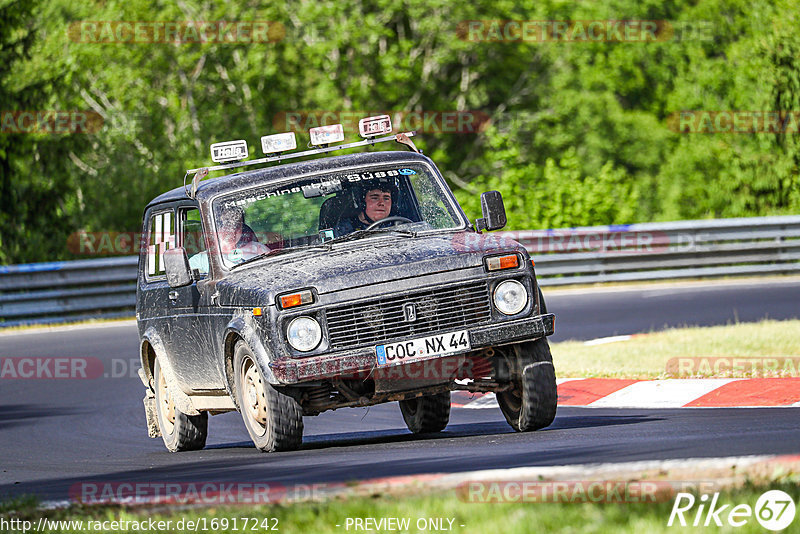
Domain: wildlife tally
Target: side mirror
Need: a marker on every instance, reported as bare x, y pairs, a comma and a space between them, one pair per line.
494, 212
176, 263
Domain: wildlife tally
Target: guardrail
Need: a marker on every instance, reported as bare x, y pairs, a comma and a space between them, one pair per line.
63, 291
661, 251
102, 288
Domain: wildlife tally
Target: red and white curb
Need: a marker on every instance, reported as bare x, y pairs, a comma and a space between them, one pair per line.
670, 393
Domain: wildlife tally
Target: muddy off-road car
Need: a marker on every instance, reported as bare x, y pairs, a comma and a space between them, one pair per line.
292, 289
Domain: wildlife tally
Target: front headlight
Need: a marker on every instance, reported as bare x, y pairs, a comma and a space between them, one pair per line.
510, 297
304, 333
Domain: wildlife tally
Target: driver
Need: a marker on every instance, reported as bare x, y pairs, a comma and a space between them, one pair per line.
376, 204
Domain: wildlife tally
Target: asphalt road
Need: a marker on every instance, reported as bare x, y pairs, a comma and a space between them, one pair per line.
600, 313
55, 434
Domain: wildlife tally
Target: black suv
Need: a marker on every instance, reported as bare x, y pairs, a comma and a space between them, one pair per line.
272, 292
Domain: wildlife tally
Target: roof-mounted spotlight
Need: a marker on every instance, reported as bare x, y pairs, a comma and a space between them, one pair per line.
374, 126
229, 151
325, 135
282, 142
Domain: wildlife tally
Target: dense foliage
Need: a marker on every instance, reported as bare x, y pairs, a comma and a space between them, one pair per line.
581, 132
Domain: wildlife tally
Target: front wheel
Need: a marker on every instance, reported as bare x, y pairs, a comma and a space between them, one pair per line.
530, 404
273, 420
430, 413
181, 432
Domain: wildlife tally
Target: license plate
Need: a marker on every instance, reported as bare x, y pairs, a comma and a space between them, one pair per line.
422, 348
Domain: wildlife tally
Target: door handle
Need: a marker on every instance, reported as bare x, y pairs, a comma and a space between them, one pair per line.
173, 295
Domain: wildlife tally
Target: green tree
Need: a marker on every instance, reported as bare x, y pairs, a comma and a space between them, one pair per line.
36, 193
580, 132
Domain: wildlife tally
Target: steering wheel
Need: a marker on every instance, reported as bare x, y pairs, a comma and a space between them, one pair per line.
394, 218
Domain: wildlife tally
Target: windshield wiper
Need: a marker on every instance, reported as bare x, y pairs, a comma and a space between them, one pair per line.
275, 252
341, 239
358, 234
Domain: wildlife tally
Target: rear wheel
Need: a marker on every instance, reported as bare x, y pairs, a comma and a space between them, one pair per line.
426, 414
180, 432
531, 402
273, 420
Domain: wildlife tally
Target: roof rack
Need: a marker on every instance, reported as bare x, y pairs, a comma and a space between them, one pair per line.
201, 172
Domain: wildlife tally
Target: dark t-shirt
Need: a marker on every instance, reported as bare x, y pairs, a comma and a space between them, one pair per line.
349, 225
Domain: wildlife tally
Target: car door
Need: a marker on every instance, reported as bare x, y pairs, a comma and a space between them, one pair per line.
152, 307
193, 344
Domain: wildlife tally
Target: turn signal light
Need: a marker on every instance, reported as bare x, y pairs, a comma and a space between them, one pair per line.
502, 262
296, 299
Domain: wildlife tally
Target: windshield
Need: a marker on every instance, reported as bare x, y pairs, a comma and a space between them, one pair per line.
319, 208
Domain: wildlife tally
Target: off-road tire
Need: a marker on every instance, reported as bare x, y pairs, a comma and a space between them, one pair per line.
531, 403
273, 420
430, 413
180, 432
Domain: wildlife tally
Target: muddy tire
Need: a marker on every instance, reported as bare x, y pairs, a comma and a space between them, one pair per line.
273, 420
531, 403
426, 414
180, 432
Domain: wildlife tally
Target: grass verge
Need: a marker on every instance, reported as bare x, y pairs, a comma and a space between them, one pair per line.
83, 323
774, 347
452, 512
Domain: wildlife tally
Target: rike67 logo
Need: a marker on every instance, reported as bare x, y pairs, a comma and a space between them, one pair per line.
774, 510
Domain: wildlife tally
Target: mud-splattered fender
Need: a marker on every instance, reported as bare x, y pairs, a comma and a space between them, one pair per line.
242, 325
153, 340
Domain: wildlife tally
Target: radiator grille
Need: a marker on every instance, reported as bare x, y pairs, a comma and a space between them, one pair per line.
378, 321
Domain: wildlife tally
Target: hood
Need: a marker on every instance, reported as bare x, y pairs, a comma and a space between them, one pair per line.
358, 263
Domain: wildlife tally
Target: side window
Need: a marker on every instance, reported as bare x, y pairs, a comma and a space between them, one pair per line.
193, 240
161, 237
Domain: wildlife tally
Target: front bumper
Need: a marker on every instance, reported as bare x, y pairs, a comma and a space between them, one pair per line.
294, 371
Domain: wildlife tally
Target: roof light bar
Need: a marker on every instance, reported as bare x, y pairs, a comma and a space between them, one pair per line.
201, 172
229, 151
282, 142
325, 135
402, 138
373, 126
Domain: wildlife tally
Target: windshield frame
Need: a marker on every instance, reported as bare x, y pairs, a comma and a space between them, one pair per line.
437, 178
